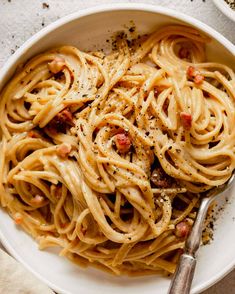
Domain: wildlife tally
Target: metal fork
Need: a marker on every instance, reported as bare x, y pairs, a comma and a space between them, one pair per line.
183, 277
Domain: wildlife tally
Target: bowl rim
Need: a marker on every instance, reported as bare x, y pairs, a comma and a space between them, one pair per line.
12, 60
113, 7
225, 9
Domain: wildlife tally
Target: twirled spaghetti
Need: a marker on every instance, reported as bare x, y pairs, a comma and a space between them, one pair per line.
105, 155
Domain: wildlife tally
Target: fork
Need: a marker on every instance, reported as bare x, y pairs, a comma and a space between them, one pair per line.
183, 277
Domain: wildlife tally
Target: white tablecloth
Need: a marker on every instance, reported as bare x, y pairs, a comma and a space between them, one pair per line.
20, 19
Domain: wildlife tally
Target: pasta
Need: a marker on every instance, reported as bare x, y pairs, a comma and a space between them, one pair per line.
106, 154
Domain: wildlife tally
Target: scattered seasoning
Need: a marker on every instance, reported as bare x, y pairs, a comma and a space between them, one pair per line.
132, 29
231, 3
45, 5
213, 215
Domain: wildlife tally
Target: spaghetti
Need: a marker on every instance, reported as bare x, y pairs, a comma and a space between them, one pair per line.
105, 155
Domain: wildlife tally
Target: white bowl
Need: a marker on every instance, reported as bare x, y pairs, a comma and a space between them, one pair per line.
224, 7
85, 29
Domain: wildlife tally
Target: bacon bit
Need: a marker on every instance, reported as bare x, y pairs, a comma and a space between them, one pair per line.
195, 74
182, 229
191, 71
186, 119
34, 134
160, 179
198, 79
37, 200
60, 121
66, 115
18, 218
184, 53
123, 142
64, 149
56, 65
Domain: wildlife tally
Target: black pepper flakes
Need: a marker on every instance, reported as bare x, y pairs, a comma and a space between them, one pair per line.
45, 5
132, 29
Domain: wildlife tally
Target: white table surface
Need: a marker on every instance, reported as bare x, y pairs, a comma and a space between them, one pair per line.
20, 19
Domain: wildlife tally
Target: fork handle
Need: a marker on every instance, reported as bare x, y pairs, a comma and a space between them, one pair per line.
182, 280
